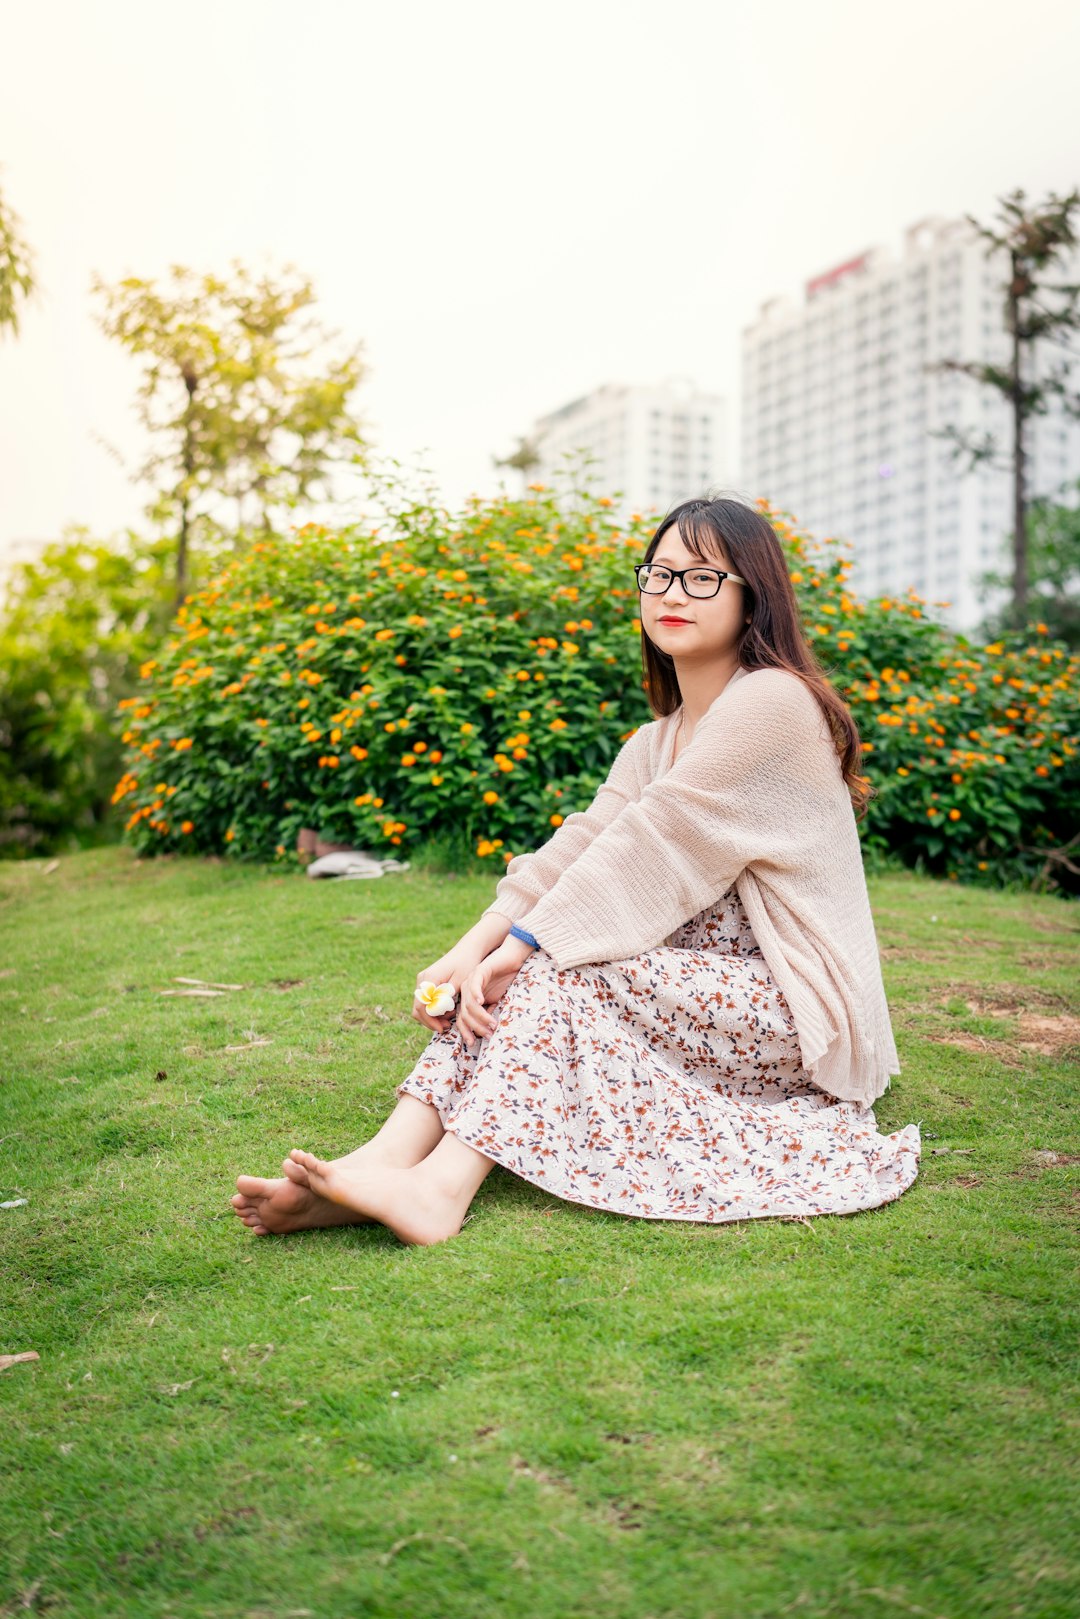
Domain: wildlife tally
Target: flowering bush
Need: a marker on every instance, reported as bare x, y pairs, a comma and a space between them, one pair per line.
973, 750
380, 690
481, 673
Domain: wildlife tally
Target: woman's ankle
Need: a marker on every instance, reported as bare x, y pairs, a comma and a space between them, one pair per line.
392, 1155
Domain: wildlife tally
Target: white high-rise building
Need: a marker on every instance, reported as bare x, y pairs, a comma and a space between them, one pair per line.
838, 409
657, 445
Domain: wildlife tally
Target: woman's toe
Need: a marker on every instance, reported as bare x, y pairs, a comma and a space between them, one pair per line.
253, 1186
295, 1172
308, 1161
319, 1175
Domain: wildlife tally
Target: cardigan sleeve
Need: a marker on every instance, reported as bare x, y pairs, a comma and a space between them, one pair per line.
529, 876
751, 788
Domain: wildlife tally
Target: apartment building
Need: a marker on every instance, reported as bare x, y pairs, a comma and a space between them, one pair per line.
647, 447
838, 410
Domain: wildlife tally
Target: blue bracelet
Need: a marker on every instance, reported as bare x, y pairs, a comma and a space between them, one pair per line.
527, 938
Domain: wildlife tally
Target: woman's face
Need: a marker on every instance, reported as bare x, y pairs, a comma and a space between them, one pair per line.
712, 626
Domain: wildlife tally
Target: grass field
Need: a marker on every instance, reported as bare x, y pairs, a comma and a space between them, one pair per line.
559, 1412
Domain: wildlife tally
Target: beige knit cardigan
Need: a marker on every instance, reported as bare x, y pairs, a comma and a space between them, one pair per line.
756, 799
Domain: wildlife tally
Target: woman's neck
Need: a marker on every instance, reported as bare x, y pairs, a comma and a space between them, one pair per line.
699, 691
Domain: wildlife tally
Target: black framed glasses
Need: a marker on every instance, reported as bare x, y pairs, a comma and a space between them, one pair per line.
654, 579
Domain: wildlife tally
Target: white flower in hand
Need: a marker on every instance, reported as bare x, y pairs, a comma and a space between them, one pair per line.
436, 998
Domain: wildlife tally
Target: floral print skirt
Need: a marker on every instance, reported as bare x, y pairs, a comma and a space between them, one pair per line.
668, 1086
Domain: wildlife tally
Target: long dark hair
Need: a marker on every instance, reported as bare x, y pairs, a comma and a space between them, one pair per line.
774, 637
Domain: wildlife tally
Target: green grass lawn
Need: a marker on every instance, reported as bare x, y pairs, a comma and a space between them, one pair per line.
559, 1412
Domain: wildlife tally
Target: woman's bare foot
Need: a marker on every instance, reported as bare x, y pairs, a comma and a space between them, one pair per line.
272, 1207
404, 1199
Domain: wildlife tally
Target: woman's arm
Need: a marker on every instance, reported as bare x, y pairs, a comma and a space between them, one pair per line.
528, 877
755, 786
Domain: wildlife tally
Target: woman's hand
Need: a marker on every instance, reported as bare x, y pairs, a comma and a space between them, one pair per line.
453, 969
488, 983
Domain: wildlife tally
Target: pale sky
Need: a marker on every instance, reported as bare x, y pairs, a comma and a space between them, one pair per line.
509, 205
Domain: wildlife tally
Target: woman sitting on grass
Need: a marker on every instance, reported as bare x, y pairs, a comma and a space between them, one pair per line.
693, 1024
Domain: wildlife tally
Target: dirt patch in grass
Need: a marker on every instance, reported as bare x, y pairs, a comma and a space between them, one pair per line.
1037, 1163
1044, 1023
1050, 1035
1046, 924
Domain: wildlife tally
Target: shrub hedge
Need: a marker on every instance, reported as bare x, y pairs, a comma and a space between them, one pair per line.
480, 672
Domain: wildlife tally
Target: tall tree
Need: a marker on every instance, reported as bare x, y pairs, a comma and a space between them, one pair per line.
1037, 241
16, 269
242, 418
1053, 538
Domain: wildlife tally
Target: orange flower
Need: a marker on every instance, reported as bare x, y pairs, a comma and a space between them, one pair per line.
187, 826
